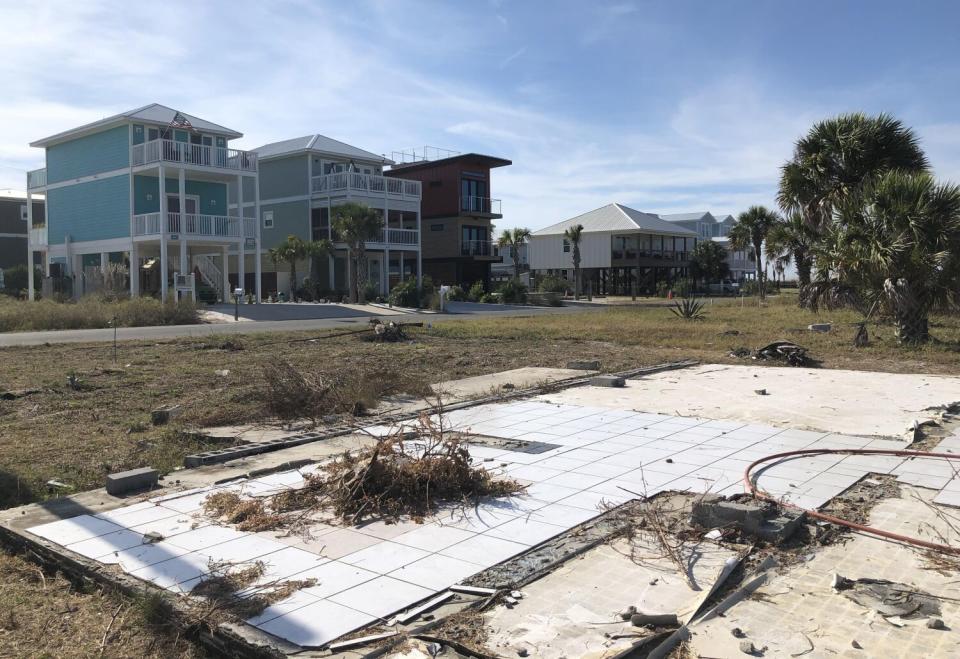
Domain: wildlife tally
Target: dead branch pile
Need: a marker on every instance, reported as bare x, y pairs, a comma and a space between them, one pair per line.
222, 597
292, 394
394, 479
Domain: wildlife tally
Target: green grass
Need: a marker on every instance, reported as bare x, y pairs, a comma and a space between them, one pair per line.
92, 313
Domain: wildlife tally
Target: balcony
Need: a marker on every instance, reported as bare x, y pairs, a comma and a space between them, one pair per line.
480, 205
193, 225
37, 179
365, 185
477, 248
389, 237
630, 254
38, 235
196, 155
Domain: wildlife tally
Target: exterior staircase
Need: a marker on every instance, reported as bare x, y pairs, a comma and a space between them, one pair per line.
210, 273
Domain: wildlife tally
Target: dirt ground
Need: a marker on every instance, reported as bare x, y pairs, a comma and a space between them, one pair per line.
90, 414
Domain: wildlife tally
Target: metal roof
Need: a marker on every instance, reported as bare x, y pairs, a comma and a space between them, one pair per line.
489, 161
617, 218
703, 216
320, 144
153, 113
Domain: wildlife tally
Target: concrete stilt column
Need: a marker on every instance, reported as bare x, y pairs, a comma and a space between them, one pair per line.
241, 246
182, 193
134, 270
164, 228
226, 274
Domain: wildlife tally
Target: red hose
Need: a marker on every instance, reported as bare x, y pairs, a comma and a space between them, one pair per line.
760, 494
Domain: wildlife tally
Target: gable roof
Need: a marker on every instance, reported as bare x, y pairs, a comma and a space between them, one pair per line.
320, 144
618, 218
153, 113
703, 216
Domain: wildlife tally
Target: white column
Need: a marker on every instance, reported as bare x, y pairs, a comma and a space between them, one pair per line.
385, 269
134, 270
258, 266
30, 294
226, 274
104, 261
419, 251
241, 246
163, 234
182, 180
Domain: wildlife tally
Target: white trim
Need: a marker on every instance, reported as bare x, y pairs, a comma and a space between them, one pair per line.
91, 247
14, 235
86, 179
275, 200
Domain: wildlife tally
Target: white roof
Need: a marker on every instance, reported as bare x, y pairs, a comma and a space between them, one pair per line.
9, 193
153, 113
617, 218
320, 144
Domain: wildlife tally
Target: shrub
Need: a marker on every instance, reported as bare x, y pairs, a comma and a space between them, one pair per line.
488, 298
683, 287
476, 292
369, 292
663, 288
750, 287
512, 292
405, 294
553, 284
456, 294
688, 309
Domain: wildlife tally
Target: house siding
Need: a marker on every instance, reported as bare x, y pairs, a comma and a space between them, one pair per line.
101, 152
283, 177
213, 196
96, 210
13, 251
546, 252
291, 217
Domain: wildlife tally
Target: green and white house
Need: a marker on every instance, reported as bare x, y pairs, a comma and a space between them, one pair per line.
149, 188
303, 180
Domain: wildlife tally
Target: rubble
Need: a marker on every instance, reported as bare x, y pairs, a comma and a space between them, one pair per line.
763, 521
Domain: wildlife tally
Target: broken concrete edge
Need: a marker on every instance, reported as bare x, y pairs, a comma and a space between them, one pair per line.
360, 640
747, 586
255, 448
222, 640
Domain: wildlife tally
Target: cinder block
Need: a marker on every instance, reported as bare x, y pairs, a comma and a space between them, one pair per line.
162, 416
607, 381
584, 365
131, 481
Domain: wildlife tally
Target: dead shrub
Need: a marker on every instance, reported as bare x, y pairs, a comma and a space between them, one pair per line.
291, 394
247, 514
221, 590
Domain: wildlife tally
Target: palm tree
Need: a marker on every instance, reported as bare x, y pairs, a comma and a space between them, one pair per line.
749, 232
837, 155
895, 249
291, 250
709, 261
355, 224
574, 234
514, 239
792, 240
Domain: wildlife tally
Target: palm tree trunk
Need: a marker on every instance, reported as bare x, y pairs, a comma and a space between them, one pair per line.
761, 273
911, 316
293, 279
352, 274
362, 272
804, 268
516, 263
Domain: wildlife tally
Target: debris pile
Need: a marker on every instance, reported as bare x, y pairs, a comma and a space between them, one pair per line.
782, 351
754, 519
389, 332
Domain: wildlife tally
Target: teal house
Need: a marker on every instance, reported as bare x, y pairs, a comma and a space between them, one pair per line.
148, 188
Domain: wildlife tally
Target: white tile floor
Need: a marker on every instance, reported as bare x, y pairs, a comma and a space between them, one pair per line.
602, 456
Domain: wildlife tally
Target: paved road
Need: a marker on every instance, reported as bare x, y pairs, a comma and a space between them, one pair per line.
175, 331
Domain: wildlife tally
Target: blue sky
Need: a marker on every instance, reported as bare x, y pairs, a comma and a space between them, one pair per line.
664, 106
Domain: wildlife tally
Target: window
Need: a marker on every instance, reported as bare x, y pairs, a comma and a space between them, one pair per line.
566, 245
473, 195
436, 227
267, 219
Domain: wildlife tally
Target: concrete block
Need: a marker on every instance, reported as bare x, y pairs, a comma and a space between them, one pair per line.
820, 327
607, 381
163, 415
712, 513
132, 481
584, 365
779, 529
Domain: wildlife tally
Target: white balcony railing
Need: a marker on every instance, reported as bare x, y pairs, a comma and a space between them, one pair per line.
37, 178
399, 236
38, 235
370, 185
482, 205
476, 248
202, 226
200, 155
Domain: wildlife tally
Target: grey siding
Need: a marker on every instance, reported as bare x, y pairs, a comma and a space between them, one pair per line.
284, 177
292, 217
13, 251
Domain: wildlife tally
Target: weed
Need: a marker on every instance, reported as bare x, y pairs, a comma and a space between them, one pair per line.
688, 309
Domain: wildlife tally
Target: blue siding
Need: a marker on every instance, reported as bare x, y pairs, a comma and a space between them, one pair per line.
93, 154
97, 210
213, 196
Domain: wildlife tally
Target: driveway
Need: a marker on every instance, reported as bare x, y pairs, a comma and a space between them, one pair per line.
293, 311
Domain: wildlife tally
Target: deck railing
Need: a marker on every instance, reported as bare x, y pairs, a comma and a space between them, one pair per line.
483, 205
201, 155
371, 185
476, 248
37, 178
191, 224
